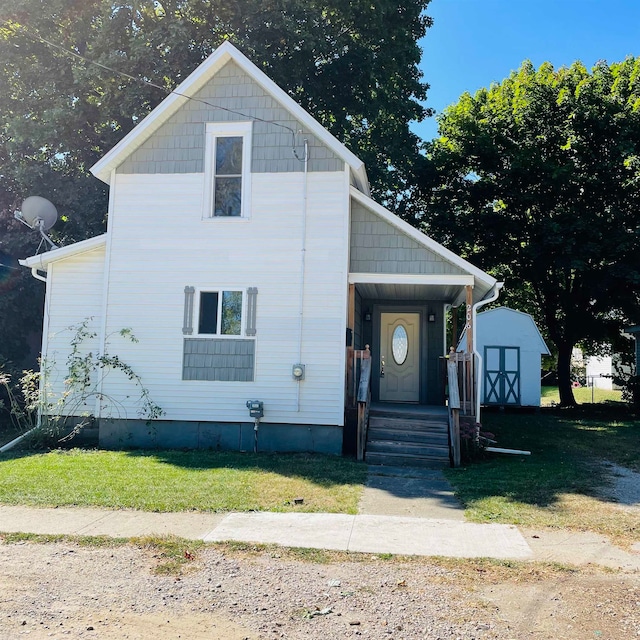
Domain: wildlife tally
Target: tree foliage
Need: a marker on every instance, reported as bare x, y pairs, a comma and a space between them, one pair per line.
353, 65
537, 179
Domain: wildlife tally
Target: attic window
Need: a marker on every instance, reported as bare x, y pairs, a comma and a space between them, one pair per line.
227, 196
227, 170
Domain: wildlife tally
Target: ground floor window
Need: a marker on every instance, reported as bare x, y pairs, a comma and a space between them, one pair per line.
220, 313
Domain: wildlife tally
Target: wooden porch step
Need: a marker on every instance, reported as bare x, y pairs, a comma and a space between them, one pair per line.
407, 448
384, 432
409, 435
407, 424
412, 412
400, 460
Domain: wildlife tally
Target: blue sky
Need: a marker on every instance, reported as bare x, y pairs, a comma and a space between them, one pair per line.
476, 42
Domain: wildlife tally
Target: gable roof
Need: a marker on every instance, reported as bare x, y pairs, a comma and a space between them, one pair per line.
482, 281
188, 89
42, 260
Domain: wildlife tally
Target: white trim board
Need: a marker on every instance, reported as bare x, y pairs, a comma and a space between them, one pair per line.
393, 278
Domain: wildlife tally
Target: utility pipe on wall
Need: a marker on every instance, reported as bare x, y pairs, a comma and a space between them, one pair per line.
303, 252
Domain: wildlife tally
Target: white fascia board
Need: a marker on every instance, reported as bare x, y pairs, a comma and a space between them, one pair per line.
417, 279
41, 260
189, 87
422, 238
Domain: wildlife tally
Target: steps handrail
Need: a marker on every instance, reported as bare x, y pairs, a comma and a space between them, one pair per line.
454, 409
363, 398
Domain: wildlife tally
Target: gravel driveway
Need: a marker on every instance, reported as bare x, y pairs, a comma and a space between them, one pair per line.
66, 591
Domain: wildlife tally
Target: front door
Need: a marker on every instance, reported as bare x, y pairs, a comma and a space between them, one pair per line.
399, 357
502, 375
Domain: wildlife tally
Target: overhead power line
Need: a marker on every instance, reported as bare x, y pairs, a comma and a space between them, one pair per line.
75, 54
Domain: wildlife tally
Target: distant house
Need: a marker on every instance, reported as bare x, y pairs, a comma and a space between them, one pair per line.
244, 251
635, 332
599, 372
511, 347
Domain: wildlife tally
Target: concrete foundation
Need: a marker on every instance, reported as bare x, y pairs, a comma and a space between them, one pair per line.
219, 436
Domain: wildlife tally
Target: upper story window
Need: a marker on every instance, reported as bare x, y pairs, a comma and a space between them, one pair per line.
227, 170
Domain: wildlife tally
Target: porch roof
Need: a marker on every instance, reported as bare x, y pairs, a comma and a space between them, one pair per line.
447, 288
390, 259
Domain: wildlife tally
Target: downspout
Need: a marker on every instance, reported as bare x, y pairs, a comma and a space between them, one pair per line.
303, 253
20, 438
102, 336
493, 296
36, 275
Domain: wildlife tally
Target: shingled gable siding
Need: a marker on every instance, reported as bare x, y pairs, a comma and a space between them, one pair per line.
178, 146
218, 359
379, 247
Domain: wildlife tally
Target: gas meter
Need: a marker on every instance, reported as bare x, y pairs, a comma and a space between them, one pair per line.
256, 408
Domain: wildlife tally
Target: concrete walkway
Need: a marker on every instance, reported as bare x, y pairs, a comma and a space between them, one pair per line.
410, 492
370, 534
363, 533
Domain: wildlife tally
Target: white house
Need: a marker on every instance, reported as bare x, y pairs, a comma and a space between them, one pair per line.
242, 241
599, 372
511, 348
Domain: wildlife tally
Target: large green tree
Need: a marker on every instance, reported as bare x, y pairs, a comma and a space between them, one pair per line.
353, 65
537, 179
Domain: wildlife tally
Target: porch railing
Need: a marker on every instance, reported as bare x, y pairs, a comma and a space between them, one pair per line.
461, 380
359, 393
454, 411
466, 375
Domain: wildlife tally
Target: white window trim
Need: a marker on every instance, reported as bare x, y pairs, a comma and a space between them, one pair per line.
219, 291
226, 129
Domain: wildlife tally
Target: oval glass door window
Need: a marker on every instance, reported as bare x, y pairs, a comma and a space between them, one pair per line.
399, 344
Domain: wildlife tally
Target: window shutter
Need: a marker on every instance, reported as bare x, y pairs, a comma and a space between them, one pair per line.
187, 328
252, 295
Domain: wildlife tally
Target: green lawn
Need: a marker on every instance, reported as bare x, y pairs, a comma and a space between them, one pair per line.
558, 484
582, 395
181, 481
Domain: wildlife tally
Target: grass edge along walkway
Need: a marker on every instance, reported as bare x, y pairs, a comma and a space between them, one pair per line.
562, 484
170, 481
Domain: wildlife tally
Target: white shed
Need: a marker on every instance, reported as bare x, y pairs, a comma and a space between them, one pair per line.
511, 347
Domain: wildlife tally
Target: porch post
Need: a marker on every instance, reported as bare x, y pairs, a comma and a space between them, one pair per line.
351, 318
351, 315
469, 319
454, 327
470, 364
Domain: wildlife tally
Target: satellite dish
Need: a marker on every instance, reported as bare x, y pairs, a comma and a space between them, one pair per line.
38, 213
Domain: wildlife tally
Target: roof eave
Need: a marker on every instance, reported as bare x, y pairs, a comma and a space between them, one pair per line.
43, 260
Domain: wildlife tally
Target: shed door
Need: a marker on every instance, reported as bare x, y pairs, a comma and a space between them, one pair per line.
502, 375
400, 357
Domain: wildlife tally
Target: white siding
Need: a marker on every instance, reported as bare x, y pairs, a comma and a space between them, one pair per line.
160, 244
599, 371
74, 294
